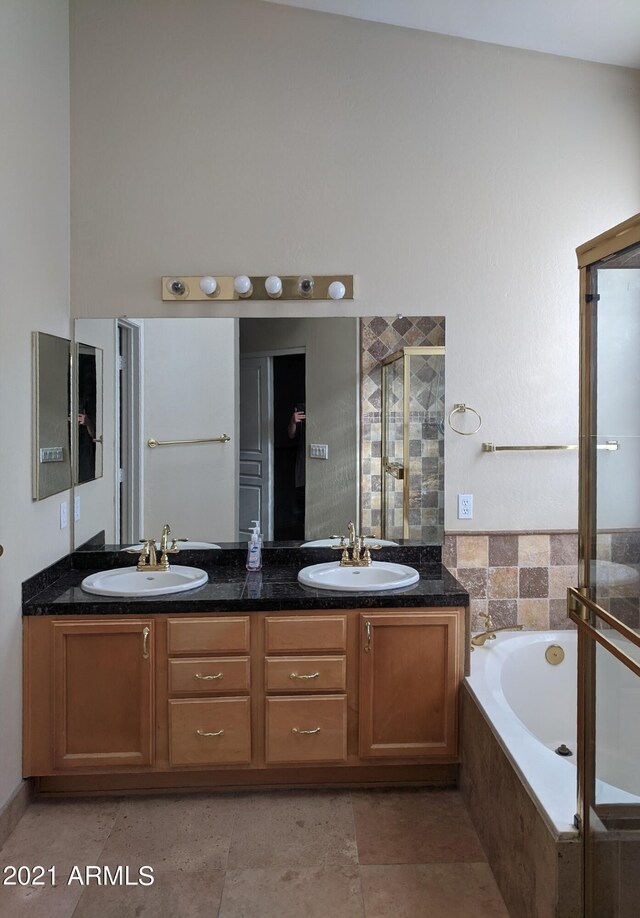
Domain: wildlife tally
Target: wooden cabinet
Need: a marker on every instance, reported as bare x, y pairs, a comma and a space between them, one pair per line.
102, 693
409, 675
169, 701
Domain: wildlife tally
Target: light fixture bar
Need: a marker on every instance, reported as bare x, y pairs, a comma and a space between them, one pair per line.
225, 290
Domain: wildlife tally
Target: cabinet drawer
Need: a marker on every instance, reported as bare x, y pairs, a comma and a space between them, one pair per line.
209, 675
202, 635
306, 730
210, 731
305, 674
300, 633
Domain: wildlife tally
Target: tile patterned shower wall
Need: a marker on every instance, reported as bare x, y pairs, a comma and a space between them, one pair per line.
381, 337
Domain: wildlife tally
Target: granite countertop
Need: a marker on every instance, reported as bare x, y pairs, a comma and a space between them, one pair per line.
57, 591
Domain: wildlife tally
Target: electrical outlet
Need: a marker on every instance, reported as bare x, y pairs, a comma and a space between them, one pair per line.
465, 506
76, 507
64, 514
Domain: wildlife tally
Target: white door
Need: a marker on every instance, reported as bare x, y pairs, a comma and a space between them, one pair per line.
256, 444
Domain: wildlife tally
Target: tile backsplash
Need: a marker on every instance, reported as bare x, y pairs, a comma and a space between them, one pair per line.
522, 578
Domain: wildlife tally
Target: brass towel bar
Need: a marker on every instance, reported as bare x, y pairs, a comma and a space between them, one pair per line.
152, 442
610, 445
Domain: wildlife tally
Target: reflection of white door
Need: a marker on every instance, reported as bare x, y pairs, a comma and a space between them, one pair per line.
256, 444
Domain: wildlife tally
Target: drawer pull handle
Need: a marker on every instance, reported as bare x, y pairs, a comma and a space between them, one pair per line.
309, 676
295, 730
208, 678
203, 733
367, 630
145, 643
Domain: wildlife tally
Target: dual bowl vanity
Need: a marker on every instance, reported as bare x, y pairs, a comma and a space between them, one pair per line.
269, 678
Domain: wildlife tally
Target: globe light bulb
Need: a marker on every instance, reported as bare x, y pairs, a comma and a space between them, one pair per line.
273, 285
337, 290
242, 285
208, 285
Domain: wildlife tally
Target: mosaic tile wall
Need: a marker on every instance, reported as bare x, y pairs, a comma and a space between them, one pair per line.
381, 337
522, 578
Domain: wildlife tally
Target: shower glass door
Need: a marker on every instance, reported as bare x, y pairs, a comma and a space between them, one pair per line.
606, 608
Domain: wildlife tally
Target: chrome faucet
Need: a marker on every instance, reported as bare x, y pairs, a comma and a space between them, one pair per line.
489, 634
360, 551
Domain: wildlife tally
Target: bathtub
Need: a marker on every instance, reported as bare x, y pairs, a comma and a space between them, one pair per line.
531, 708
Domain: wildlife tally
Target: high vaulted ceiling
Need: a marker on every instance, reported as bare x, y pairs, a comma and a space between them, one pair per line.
607, 31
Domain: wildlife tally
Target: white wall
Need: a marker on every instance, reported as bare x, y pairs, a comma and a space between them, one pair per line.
34, 295
618, 394
454, 178
194, 486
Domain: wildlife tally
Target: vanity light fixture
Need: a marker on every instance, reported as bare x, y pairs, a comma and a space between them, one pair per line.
273, 286
243, 286
228, 288
337, 290
209, 285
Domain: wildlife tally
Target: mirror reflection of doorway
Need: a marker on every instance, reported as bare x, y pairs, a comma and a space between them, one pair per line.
289, 434
272, 444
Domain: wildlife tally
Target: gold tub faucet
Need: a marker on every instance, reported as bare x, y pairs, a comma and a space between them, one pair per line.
489, 634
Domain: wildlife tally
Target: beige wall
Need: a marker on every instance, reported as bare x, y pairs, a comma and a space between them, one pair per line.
451, 177
34, 295
332, 369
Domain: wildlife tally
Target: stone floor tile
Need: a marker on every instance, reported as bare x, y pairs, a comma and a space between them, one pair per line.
173, 833
61, 833
431, 891
293, 829
414, 827
174, 894
47, 901
292, 892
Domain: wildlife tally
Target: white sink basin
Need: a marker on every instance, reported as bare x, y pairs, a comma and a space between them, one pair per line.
187, 545
327, 543
381, 575
127, 581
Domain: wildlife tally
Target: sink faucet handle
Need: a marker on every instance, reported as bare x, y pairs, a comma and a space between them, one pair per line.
166, 532
488, 621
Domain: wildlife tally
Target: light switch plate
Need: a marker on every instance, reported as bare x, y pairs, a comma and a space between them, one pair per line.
319, 450
76, 507
64, 514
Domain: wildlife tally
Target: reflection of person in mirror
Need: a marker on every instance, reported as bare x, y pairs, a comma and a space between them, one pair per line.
296, 431
86, 446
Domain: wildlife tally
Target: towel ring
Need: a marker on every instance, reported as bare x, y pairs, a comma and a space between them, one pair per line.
461, 407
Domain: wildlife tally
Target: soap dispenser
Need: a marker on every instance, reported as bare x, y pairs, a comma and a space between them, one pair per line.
254, 548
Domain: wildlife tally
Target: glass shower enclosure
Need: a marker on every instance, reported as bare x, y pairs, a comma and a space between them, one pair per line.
413, 445
606, 605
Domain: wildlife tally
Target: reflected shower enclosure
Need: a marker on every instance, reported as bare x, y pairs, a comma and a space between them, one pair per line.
413, 444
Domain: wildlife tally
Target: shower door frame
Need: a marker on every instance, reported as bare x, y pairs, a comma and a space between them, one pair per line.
401, 354
581, 607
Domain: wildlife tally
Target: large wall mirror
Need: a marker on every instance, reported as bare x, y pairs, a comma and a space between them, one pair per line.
285, 392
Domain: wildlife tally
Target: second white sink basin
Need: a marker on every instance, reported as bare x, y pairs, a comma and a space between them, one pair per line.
127, 581
187, 545
381, 575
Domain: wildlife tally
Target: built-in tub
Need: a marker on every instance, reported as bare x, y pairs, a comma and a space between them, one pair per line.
518, 708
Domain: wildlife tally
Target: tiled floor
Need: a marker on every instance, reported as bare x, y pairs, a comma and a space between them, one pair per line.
289, 854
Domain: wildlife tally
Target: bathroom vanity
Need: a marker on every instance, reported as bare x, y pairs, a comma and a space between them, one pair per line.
249, 680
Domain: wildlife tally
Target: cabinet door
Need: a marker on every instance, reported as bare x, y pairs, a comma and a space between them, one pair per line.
409, 674
103, 679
